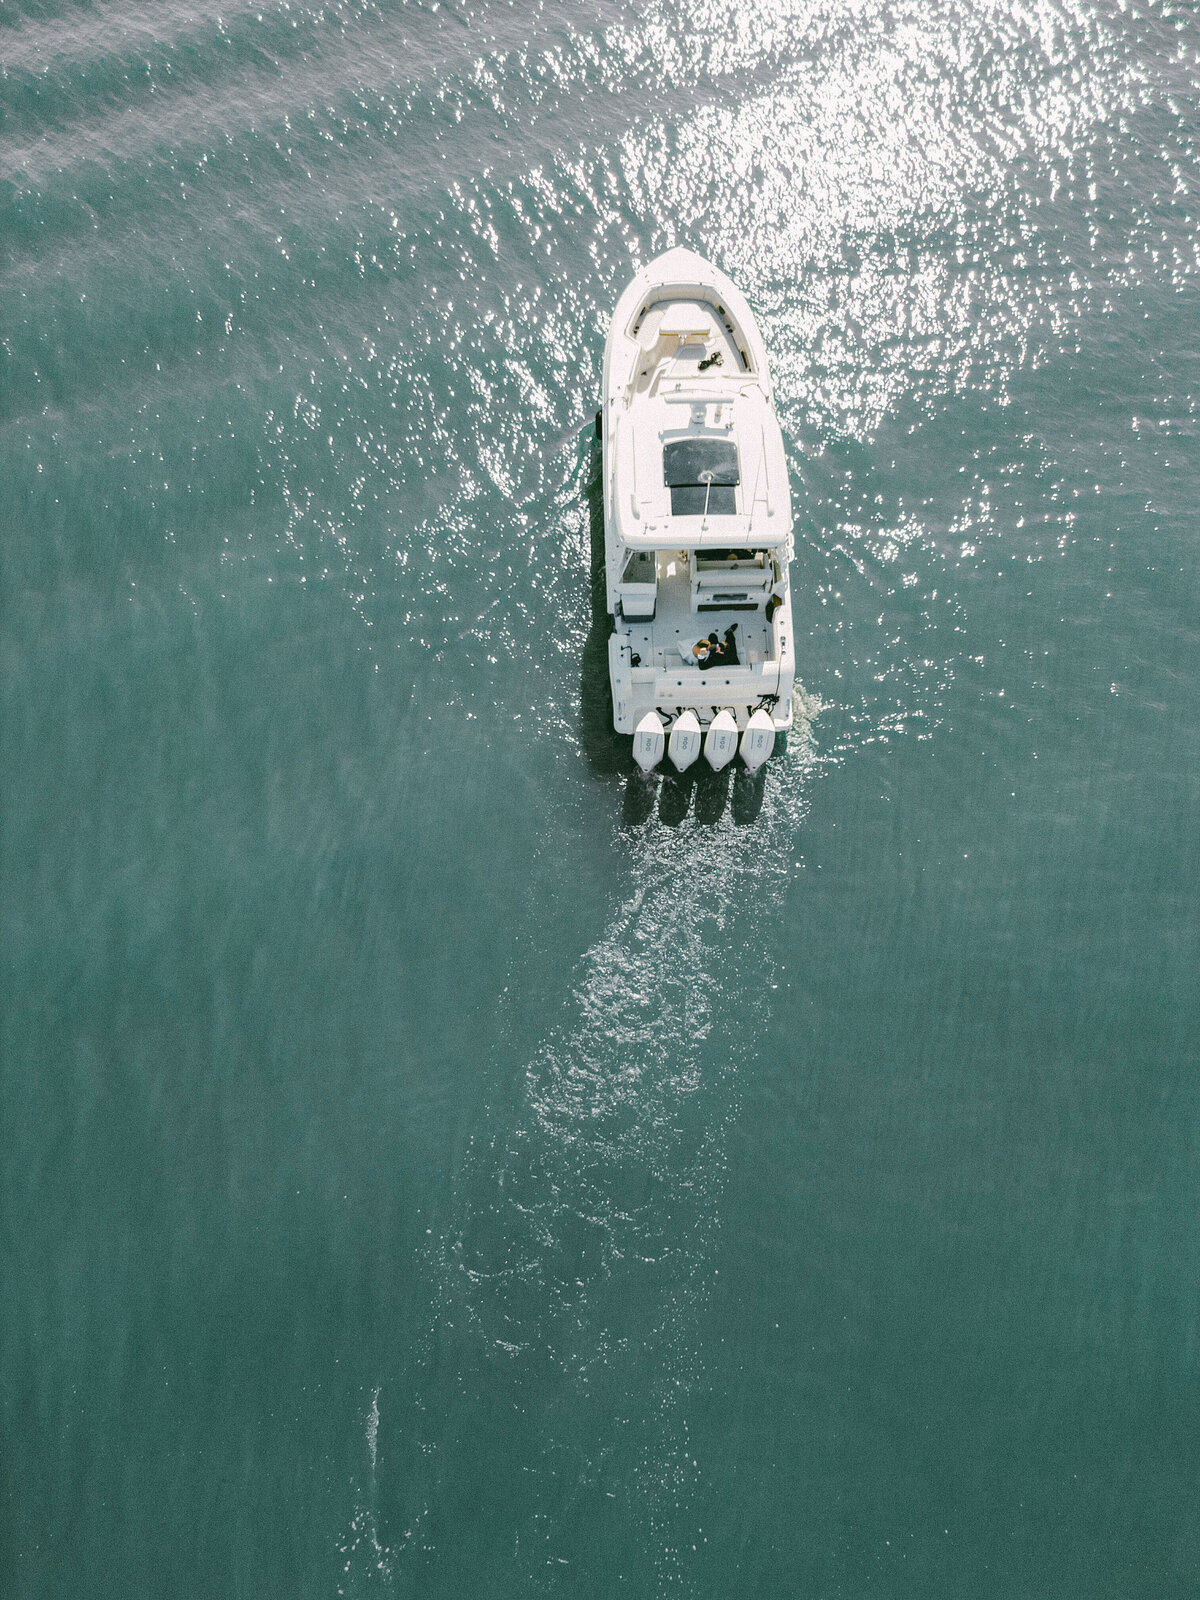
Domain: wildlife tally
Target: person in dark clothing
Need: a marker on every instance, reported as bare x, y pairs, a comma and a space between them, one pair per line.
729, 651
716, 654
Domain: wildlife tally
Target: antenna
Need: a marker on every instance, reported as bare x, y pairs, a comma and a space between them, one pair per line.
706, 478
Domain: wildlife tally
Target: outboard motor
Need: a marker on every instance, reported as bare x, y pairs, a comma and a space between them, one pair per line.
649, 741
758, 740
684, 744
721, 741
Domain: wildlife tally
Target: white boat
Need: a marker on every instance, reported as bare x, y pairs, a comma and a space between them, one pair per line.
697, 520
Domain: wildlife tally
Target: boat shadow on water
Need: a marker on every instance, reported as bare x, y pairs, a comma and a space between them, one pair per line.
699, 791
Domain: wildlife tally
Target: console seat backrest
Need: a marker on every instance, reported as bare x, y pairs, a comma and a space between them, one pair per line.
685, 321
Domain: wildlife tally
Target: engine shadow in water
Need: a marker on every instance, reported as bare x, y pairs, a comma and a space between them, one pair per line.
748, 788
641, 789
712, 794
675, 798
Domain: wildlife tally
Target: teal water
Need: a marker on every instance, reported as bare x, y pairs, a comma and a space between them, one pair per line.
435, 1162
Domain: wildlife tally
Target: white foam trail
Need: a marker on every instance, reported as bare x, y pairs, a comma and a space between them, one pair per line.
365, 1562
373, 1431
586, 1210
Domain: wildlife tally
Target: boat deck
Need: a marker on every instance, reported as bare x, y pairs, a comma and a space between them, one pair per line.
665, 356
675, 624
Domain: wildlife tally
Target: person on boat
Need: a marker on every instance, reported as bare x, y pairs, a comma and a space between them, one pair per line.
715, 654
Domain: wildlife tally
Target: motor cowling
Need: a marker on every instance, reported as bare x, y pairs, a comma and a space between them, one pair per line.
685, 741
758, 740
721, 741
649, 741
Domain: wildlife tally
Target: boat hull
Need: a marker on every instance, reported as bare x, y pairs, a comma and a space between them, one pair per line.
697, 508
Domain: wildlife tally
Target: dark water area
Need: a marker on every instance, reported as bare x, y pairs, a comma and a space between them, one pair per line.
436, 1160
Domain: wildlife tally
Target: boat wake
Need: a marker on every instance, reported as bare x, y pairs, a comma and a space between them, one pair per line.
570, 1281
363, 1557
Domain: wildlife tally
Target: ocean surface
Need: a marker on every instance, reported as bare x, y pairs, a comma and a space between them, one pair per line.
434, 1161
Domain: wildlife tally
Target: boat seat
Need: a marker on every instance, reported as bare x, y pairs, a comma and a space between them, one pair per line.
649, 334
685, 321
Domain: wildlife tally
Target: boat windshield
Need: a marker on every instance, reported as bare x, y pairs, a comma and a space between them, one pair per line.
701, 474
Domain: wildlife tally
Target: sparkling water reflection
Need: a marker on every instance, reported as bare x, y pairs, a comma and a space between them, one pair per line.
396, 1080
